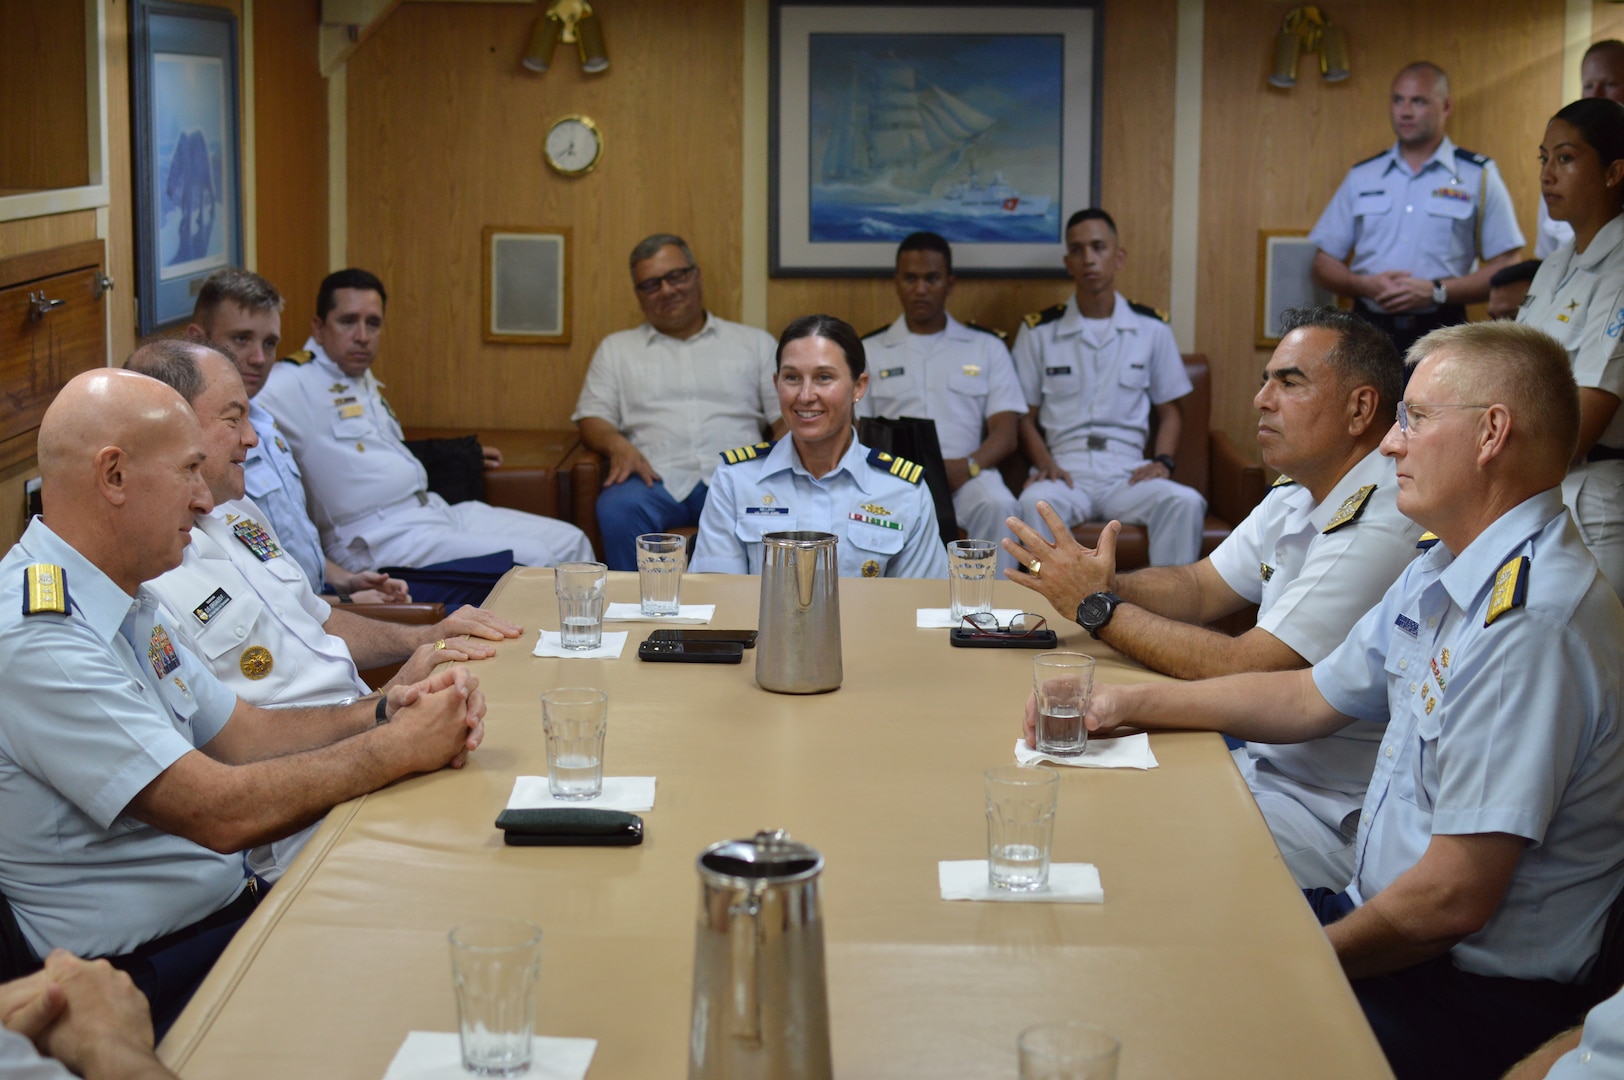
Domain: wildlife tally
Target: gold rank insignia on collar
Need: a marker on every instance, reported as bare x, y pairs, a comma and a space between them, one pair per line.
1282, 481
1349, 511
45, 588
901, 468
745, 453
1510, 588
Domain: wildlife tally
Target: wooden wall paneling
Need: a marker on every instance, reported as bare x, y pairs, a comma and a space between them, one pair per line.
290, 135
42, 123
1606, 21
24, 236
445, 133
1272, 158
1136, 186
121, 213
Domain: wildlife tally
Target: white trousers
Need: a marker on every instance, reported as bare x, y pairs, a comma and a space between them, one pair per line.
409, 534
981, 505
1172, 513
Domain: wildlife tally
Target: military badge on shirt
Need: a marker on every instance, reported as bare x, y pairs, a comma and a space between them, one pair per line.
256, 539
1265, 571
161, 652
871, 568
209, 608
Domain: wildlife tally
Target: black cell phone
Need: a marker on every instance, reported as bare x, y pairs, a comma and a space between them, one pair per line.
970, 639
747, 638
691, 652
570, 827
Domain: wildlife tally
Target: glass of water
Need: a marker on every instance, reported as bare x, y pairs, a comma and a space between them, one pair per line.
1068, 1051
1064, 683
971, 571
494, 964
574, 720
1020, 826
660, 561
581, 587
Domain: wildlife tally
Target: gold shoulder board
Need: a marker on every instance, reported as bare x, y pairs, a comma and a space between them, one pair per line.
745, 453
45, 588
1510, 588
1282, 481
303, 356
1349, 511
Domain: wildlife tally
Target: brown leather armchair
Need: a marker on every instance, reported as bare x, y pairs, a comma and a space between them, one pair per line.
1208, 461
413, 614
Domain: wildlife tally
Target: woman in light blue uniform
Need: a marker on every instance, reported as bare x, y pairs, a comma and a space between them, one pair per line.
1578, 298
821, 478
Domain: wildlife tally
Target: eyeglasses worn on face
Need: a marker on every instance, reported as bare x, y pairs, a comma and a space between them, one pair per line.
985, 624
676, 279
1411, 417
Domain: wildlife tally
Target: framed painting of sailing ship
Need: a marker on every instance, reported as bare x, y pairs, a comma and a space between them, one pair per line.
977, 122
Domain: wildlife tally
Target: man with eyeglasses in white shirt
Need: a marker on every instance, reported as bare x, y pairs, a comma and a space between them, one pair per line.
663, 400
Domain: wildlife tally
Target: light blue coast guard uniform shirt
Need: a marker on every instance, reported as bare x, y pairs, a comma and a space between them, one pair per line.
885, 524
20, 1061
1434, 223
1511, 727
276, 485
1600, 1053
99, 702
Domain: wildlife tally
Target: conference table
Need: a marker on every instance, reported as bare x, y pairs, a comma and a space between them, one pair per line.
1204, 960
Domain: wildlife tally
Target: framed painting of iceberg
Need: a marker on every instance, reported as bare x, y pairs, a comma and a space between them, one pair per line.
980, 123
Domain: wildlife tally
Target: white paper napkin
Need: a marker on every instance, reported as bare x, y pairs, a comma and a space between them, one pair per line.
551, 643
437, 1055
632, 793
687, 614
1069, 883
1123, 752
941, 618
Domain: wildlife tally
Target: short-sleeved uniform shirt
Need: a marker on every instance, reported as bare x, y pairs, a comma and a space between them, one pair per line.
1433, 223
957, 378
101, 700
1312, 580
681, 403
885, 523
1510, 727
274, 481
245, 607
1098, 381
1578, 298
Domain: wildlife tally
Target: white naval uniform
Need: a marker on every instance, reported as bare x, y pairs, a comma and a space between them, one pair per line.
1579, 300
1094, 389
958, 378
1312, 581
885, 524
257, 625
368, 493
1550, 234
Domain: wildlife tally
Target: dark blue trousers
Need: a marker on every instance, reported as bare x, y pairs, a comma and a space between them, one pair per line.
632, 508
1434, 1020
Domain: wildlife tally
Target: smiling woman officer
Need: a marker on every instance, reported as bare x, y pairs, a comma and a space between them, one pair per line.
1578, 298
821, 478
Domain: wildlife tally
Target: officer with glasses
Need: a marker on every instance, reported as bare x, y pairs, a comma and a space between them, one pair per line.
662, 401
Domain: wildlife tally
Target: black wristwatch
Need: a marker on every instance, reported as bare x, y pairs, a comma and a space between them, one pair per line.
1167, 460
1094, 613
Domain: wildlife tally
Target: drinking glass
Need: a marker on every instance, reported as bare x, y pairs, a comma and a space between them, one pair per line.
1068, 1051
1020, 826
971, 571
1063, 682
660, 561
580, 587
494, 964
574, 720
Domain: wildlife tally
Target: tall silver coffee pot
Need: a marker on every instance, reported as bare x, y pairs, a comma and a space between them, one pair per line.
760, 1009
798, 651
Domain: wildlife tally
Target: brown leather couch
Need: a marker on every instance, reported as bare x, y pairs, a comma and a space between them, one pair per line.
1208, 461
413, 614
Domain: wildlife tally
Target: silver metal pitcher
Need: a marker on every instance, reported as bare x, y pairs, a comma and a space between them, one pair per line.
798, 651
760, 1010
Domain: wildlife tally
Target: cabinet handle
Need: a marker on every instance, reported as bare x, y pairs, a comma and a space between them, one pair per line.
39, 305
102, 286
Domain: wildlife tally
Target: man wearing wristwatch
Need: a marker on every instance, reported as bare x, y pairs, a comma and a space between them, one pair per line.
1092, 370
1402, 232
928, 364
1315, 555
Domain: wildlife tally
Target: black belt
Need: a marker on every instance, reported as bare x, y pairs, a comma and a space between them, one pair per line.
236, 911
1442, 315
1605, 453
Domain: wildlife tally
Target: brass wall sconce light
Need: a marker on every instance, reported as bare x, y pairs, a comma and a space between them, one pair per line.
573, 23
1306, 30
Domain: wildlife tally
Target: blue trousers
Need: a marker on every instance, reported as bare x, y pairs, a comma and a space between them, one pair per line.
1435, 1020
632, 508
